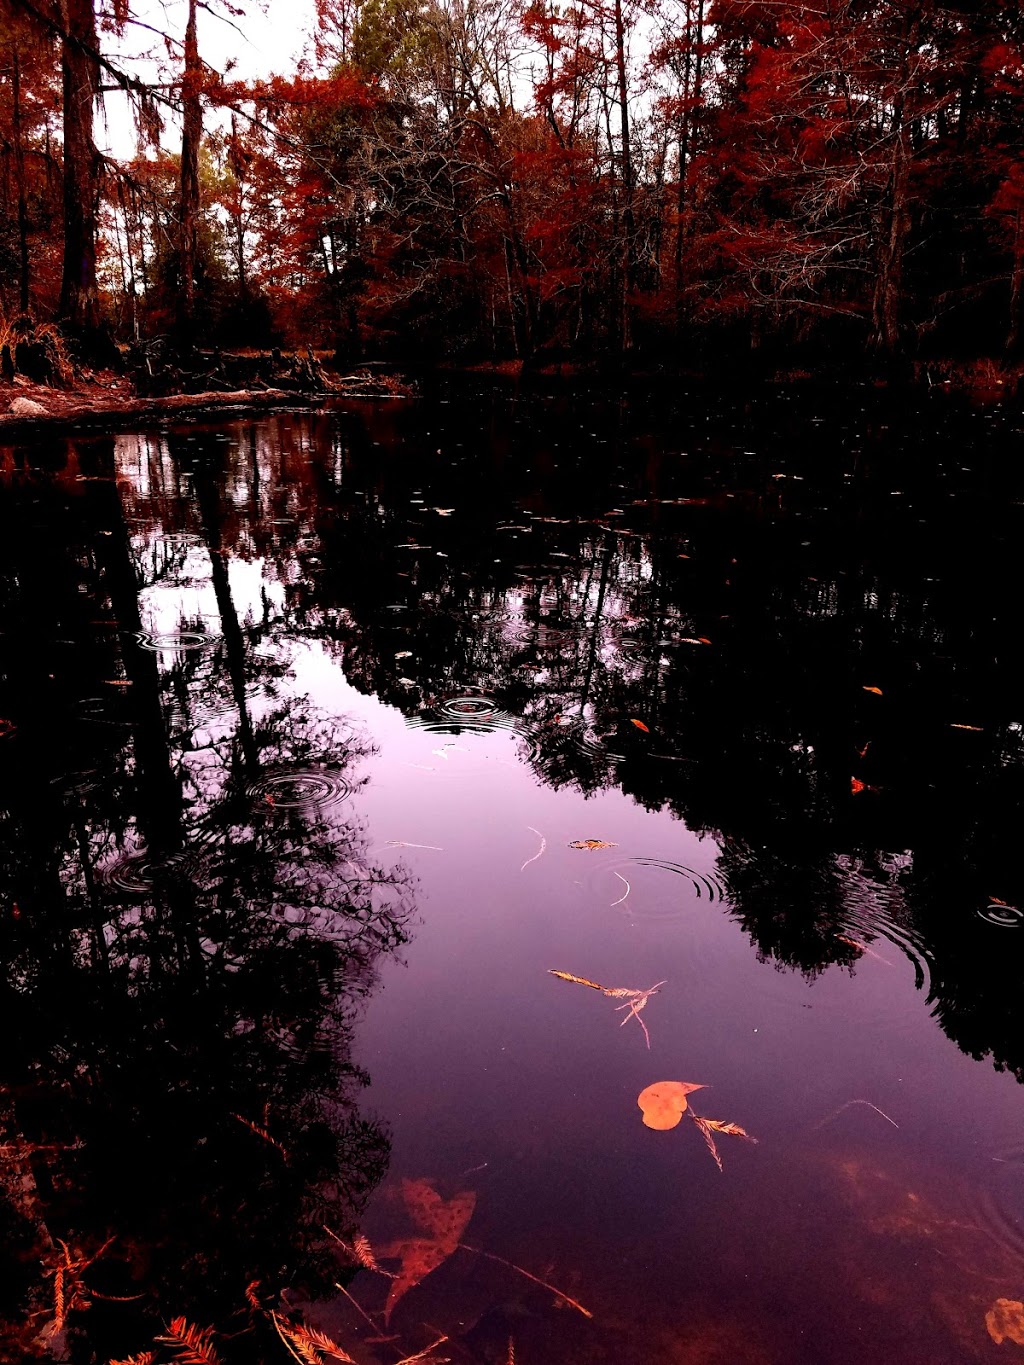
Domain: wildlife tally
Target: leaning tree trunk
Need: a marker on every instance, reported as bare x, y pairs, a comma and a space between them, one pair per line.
79, 296
188, 209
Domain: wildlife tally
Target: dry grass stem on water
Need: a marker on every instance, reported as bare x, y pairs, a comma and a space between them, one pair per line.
635, 1000
849, 1103
489, 1255
540, 851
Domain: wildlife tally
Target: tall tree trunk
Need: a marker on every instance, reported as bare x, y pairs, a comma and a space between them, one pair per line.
626, 162
188, 209
19, 176
79, 296
888, 299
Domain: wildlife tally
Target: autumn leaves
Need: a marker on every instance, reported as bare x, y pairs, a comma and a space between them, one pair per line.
663, 1103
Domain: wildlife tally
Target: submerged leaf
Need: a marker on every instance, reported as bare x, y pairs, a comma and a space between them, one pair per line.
663, 1104
1005, 1321
444, 1220
591, 844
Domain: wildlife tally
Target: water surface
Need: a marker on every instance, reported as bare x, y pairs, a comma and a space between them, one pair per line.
301, 719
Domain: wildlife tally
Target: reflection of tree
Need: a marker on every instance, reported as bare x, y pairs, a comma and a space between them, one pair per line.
588, 611
182, 959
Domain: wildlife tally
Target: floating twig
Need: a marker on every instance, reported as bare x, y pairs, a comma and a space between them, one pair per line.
464, 1246
635, 1000
625, 893
540, 851
402, 843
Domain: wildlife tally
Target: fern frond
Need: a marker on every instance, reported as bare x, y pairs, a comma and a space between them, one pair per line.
708, 1136
191, 1344
141, 1358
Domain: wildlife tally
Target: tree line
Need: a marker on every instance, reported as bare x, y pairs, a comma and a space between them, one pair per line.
520, 179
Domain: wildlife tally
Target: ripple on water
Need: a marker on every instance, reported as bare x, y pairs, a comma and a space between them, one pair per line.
875, 908
140, 872
300, 788
1002, 916
176, 641
999, 1198
644, 888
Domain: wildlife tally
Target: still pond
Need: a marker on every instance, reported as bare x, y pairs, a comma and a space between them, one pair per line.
390, 797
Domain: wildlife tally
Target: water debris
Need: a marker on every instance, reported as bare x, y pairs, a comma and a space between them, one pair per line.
404, 654
863, 948
490, 1256
304, 1344
442, 752
640, 726
979, 729
849, 1103
261, 1133
876, 690
635, 1000
1005, 1321
441, 1223
626, 892
664, 1103
540, 851
403, 843
195, 1344
591, 844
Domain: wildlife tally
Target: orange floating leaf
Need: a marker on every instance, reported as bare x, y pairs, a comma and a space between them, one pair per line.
663, 1104
856, 785
877, 690
640, 726
953, 726
591, 844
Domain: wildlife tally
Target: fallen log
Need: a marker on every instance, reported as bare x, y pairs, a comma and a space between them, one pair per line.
60, 410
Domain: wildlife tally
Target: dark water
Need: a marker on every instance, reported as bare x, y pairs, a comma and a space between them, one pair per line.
300, 721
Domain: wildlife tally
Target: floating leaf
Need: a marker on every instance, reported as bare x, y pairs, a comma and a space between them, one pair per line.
591, 844
953, 726
443, 1220
663, 1104
1005, 1321
877, 690
856, 785
640, 726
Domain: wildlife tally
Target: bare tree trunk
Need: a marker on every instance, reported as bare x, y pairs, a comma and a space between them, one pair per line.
888, 300
188, 208
1016, 333
19, 175
626, 162
79, 296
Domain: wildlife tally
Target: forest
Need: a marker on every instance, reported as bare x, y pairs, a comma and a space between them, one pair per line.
702, 184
